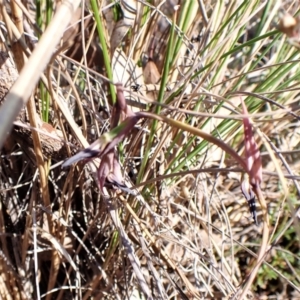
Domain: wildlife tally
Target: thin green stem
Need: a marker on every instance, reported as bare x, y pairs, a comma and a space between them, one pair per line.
164, 80
107, 63
197, 132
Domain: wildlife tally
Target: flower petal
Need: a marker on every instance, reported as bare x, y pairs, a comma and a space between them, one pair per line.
252, 153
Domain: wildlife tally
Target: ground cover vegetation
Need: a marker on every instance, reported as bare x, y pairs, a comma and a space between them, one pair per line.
153, 149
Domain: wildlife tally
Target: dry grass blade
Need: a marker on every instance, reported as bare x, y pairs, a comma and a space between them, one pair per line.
165, 257
129, 250
57, 246
23, 87
153, 208
146, 252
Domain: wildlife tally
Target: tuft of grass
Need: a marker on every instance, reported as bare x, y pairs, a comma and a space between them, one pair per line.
185, 231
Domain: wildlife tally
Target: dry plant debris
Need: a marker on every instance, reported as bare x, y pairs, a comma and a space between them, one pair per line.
153, 208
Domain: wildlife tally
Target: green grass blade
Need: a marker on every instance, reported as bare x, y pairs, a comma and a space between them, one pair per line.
107, 62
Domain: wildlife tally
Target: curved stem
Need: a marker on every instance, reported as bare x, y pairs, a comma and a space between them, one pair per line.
208, 137
198, 132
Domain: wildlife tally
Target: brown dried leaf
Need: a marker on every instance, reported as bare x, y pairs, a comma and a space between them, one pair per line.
118, 34
151, 73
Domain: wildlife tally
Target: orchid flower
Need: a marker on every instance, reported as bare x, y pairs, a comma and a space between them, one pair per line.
253, 163
109, 170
